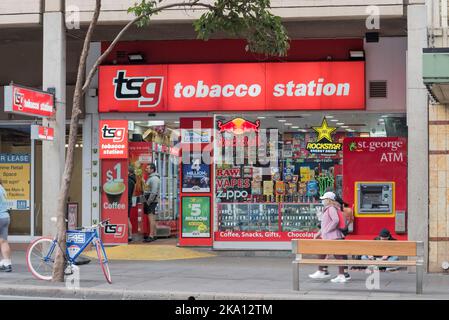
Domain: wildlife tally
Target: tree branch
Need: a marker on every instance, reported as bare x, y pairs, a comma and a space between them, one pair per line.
100, 60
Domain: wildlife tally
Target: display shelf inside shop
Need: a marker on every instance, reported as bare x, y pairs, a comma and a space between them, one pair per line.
300, 216
249, 216
265, 216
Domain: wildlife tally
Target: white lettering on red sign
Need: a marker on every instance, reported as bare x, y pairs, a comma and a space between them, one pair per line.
311, 89
146, 90
201, 90
372, 146
113, 139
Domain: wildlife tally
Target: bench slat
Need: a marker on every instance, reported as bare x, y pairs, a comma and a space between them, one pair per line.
356, 247
334, 262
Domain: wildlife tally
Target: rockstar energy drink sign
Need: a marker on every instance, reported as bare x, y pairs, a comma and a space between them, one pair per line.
324, 143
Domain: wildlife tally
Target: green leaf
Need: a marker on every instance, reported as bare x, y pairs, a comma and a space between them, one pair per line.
248, 19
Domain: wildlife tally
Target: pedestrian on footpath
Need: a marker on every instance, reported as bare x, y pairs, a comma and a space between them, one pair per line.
5, 220
151, 195
330, 231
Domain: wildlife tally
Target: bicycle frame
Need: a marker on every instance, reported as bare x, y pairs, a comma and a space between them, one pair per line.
92, 239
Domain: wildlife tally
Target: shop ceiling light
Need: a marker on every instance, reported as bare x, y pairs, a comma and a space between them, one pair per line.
288, 124
261, 117
155, 123
385, 116
340, 123
135, 58
357, 54
344, 127
282, 120
335, 120
295, 127
330, 117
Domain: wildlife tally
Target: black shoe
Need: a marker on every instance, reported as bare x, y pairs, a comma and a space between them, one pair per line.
6, 268
130, 240
347, 276
81, 261
148, 240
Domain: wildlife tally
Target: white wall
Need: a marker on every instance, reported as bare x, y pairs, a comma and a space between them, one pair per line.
386, 60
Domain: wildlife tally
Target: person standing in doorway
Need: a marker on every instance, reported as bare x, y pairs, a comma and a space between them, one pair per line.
5, 263
152, 186
131, 186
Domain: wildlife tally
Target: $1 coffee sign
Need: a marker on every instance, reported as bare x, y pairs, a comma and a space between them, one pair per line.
114, 200
113, 139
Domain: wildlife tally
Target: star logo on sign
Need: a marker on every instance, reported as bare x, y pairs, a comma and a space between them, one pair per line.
324, 132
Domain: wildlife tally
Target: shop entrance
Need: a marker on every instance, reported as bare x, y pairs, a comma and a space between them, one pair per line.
154, 141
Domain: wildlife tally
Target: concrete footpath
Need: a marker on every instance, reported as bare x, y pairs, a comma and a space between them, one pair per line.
214, 277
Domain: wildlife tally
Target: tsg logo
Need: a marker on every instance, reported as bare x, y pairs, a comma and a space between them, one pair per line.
118, 230
115, 134
18, 99
146, 90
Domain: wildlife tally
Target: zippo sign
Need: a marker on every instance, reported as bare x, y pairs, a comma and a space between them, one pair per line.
233, 87
113, 139
29, 102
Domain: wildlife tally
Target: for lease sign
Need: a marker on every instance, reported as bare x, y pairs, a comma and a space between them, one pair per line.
15, 173
233, 87
29, 102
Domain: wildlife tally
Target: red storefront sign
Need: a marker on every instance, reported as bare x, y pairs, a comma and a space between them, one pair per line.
233, 87
29, 102
114, 200
262, 235
113, 139
42, 133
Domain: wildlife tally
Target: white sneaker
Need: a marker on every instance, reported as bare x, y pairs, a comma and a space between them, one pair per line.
339, 279
319, 275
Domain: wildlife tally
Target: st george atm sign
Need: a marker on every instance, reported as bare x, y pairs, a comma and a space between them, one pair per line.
233, 87
29, 102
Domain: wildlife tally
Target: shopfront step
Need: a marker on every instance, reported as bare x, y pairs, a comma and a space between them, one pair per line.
254, 253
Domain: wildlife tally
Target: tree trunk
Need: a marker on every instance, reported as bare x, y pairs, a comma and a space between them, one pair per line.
58, 269
81, 87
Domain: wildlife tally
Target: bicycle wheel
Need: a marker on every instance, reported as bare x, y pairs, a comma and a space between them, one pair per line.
41, 257
103, 261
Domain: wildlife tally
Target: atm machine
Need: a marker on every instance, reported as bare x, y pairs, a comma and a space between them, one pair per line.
375, 182
375, 197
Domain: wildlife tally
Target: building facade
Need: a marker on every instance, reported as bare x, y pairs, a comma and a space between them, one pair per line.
41, 42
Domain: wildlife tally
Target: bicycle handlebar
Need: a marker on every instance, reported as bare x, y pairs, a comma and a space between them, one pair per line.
100, 224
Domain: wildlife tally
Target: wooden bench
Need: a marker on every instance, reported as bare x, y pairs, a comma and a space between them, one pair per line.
359, 247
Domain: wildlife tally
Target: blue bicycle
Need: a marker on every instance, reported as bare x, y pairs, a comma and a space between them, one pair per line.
42, 252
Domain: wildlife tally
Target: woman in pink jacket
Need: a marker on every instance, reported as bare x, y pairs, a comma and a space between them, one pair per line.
329, 231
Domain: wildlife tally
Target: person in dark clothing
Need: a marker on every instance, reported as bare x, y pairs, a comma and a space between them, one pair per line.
131, 186
384, 235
